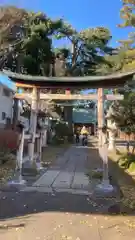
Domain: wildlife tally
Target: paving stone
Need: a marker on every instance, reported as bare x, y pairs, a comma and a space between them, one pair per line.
47, 179
69, 173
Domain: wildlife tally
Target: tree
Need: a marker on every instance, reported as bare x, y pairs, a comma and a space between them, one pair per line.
33, 33
87, 48
35, 49
11, 28
35, 54
127, 47
127, 13
124, 114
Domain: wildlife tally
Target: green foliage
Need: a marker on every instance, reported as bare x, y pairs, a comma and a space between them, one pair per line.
96, 174
5, 155
124, 113
61, 129
61, 132
35, 54
132, 167
127, 160
123, 162
127, 13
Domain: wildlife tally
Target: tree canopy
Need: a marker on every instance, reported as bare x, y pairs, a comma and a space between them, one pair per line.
27, 45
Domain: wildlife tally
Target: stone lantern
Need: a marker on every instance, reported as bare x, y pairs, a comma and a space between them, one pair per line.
111, 125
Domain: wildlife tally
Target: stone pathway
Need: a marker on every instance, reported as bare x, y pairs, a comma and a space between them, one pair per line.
68, 174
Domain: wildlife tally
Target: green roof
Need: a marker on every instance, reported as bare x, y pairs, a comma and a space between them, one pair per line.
88, 81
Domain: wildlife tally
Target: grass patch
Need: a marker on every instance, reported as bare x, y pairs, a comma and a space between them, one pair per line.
51, 153
7, 169
96, 174
123, 177
127, 161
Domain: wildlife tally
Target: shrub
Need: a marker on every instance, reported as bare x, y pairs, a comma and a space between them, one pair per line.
62, 132
5, 155
132, 167
96, 174
123, 162
126, 159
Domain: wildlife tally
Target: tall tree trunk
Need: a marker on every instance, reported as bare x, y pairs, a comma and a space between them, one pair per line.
68, 117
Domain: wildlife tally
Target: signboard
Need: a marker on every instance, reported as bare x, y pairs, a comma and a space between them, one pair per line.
84, 116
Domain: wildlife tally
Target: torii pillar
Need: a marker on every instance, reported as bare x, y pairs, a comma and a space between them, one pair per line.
105, 186
33, 122
100, 114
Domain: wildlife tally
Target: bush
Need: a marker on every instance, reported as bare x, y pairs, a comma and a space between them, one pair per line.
96, 174
62, 132
132, 167
125, 160
5, 155
57, 140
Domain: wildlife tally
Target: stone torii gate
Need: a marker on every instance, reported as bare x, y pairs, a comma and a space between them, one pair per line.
99, 82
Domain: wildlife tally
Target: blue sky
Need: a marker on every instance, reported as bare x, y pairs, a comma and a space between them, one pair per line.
81, 14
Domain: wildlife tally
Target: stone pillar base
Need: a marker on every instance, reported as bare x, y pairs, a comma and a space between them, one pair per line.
20, 182
17, 182
105, 186
39, 166
29, 169
105, 189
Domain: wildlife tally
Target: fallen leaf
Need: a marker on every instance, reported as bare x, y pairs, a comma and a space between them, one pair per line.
90, 225
59, 226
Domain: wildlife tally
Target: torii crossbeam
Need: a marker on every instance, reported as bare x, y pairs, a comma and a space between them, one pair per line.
70, 97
